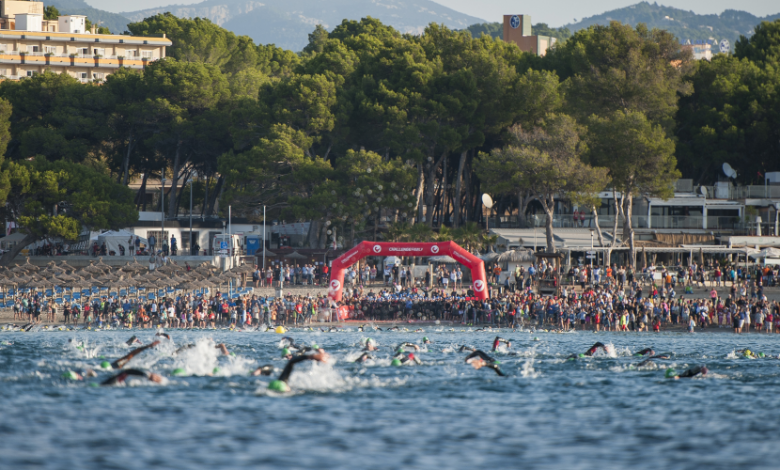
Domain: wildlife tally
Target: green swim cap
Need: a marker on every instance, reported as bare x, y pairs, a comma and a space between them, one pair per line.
396, 362
278, 386
70, 375
399, 350
425, 338
93, 384
497, 362
761, 354
80, 348
670, 373
581, 355
178, 372
285, 352
106, 365
215, 371
536, 338
315, 346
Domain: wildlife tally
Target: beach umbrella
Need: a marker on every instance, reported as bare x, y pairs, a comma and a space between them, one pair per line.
515, 256
489, 257
30, 267
442, 259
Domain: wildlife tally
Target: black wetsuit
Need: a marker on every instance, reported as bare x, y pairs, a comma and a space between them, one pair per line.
645, 352
490, 362
590, 351
498, 341
285, 376
467, 348
364, 357
122, 376
119, 363
693, 372
133, 340
265, 370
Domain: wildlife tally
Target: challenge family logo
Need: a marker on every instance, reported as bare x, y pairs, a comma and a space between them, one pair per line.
335, 284
435, 249
479, 285
377, 249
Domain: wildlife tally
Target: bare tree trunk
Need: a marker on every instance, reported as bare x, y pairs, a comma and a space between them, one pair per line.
140, 198
457, 196
205, 197
174, 182
126, 163
9, 256
420, 186
429, 180
628, 202
549, 208
618, 212
443, 210
213, 201
598, 227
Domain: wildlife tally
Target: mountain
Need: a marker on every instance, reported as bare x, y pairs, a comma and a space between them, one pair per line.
287, 23
114, 22
731, 24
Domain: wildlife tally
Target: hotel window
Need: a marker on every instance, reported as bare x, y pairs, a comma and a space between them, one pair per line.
84, 75
147, 54
99, 51
50, 49
97, 76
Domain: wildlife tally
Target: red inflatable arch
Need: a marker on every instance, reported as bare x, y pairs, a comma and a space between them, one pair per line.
340, 264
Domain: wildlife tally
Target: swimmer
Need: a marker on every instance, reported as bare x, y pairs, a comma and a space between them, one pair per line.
401, 347
692, 372
645, 352
289, 343
370, 345
590, 351
499, 340
133, 340
750, 354
263, 370
650, 360
119, 363
419, 330
164, 335
360, 328
280, 384
425, 340
479, 359
402, 358
364, 357
121, 377
220, 346
467, 348
70, 375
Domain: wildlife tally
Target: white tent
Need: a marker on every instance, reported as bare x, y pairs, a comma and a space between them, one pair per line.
114, 238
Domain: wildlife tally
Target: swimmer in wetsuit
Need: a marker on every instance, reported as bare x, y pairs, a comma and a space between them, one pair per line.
657, 356
478, 359
364, 357
121, 362
220, 346
403, 358
499, 340
370, 345
121, 377
133, 340
692, 372
280, 384
750, 354
589, 352
165, 335
264, 370
467, 348
645, 352
407, 345
425, 340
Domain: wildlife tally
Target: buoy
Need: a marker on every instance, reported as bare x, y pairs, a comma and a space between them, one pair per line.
280, 330
278, 386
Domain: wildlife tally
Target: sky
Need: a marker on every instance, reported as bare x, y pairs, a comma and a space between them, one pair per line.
554, 13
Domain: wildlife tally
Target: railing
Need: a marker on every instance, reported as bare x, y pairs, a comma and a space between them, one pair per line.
756, 192
638, 221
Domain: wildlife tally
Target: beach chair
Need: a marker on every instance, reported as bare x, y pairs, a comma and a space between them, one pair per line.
76, 295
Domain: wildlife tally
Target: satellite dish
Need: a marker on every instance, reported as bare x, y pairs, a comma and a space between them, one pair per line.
703, 191
487, 200
728, 171
725, 46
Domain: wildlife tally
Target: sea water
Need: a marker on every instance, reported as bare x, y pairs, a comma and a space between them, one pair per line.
549, 412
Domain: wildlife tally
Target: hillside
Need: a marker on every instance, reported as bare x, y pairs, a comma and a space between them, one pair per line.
684, 24
287, 23
116, 23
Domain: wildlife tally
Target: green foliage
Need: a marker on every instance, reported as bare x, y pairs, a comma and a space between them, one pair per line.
200, 40
732, 117
617, 67
55, 199
51, 13
496, 30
